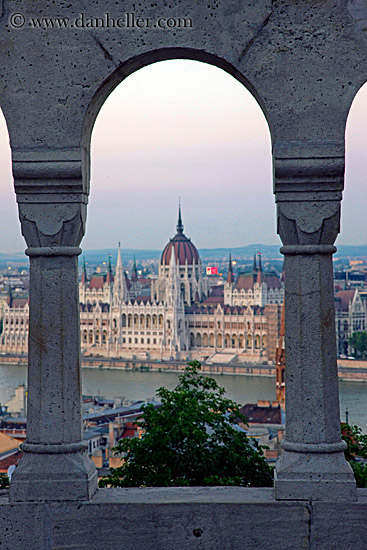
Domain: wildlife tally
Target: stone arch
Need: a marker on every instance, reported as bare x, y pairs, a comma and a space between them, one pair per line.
300, 138
148, 321
205, 340
129, 66
249, 341
198, 340
241, 341
211, 340
356, 163
220, 341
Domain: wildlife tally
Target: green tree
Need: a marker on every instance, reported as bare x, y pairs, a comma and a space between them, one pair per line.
358, 341
4, 481
192, 439
356, 449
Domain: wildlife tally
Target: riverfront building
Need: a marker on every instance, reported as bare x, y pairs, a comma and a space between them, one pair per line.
175, 316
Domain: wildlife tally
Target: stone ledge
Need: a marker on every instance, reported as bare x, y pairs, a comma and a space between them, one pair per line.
185, 518
174, 495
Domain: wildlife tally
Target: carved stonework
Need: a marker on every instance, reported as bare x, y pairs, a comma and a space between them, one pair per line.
52, 224
308, 184
52, 203
308, 222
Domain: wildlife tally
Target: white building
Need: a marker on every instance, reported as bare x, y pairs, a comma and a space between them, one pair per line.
172, 316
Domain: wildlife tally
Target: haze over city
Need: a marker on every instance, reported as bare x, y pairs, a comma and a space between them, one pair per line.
187, 129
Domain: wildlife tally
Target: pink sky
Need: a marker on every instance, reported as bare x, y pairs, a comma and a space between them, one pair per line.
183, 128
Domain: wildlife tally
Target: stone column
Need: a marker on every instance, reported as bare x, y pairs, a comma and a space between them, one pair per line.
312, 466
55, 465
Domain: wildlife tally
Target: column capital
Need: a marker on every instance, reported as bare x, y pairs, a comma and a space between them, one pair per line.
55, 224
305, 249
308, 185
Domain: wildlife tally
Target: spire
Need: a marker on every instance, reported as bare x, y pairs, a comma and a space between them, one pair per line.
109, 278
255, 266
84, 272
134, 272
179, 225
10, 296
260, 276
119, 286
173, 295
230, 277
260, 266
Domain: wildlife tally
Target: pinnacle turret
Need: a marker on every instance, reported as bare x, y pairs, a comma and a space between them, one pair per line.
255, 266
230, 277
84, 278
119, 287
179, 225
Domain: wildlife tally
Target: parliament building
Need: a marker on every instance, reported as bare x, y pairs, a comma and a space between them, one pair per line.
178, 315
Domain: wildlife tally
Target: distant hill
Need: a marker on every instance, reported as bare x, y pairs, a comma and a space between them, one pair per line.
243, 252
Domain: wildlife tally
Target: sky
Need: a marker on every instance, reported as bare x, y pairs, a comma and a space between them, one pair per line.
187, 129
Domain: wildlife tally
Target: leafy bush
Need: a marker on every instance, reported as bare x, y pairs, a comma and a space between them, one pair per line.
357, 448
4, 481
192, 439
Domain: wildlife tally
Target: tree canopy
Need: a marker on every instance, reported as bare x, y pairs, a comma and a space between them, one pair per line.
358, 341
193, 438
356, 450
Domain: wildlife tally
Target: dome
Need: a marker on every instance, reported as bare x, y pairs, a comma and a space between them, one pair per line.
184, 248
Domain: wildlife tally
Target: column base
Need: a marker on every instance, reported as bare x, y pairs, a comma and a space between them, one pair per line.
54, 473
319, 472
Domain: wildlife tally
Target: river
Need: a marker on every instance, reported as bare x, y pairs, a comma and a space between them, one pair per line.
142, 385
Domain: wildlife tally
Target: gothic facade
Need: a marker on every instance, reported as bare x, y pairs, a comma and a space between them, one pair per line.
174, 316
350, 317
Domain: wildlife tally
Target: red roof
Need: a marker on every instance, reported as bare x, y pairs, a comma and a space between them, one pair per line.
97, 281
344, 298
10, 460
184, 250
272, 280
214, 300
217, 290
109, 278
246, 280
262, 415
216, 295
130, 430
19, 302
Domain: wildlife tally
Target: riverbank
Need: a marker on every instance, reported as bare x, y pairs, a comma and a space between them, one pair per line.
348, 369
